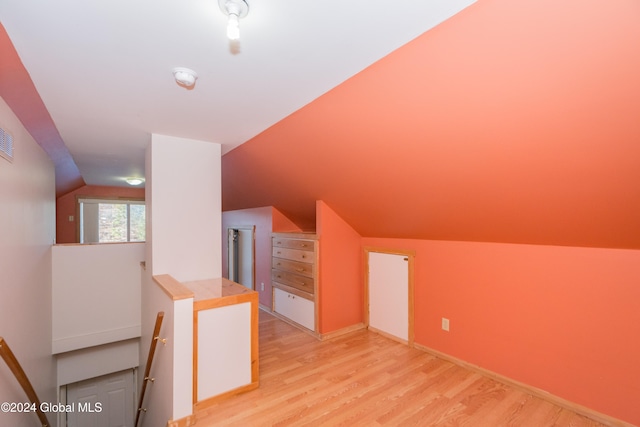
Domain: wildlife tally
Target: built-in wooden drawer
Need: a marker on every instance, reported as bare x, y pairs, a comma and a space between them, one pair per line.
294, 277
294, 254
302, 268
294, 280
304, 245
294, 307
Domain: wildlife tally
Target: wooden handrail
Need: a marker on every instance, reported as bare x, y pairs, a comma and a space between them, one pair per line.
18, 372
147, 370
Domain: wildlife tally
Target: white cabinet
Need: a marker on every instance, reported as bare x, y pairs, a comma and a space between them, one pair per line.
294, 307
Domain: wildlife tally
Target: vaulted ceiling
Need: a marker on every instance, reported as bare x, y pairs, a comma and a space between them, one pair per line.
514, 121
103, 70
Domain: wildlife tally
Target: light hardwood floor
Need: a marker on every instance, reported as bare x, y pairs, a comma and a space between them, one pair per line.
365, 379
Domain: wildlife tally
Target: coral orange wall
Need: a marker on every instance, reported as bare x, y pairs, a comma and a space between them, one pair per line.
66, 206
266, 220
562, 319
515, 121
341, 290
282, 224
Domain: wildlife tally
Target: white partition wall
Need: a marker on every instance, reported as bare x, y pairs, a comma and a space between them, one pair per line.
184, 208
184, 211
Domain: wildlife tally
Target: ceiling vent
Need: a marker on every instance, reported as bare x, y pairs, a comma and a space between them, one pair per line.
6, 144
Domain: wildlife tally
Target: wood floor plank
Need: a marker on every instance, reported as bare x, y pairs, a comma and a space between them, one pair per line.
366, 379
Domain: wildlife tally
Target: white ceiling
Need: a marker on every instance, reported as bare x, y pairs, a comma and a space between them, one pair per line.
104, 68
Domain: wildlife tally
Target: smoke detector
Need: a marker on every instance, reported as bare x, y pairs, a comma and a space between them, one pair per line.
185, 77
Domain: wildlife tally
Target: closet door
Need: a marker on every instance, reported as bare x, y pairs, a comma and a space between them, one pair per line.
389, 294
106, 401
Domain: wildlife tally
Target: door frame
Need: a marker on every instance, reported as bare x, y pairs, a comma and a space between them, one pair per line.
251, 228
410, 256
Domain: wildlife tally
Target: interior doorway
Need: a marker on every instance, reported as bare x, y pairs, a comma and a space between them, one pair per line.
106, 401
389, 299
241, 255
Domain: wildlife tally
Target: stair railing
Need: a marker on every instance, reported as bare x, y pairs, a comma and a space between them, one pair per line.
147, 370
13, 364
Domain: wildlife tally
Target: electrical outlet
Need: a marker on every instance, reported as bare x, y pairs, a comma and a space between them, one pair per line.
70, 218
261, 286
445, 324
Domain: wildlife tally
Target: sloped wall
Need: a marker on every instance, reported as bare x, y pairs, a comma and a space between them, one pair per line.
515, 121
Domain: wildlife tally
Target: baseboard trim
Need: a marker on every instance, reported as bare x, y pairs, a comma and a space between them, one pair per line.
189, 420
204, 404
264, 308
294, 324
343, 331
388, 335
534, 391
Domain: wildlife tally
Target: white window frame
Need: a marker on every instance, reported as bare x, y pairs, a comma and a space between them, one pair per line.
82, 201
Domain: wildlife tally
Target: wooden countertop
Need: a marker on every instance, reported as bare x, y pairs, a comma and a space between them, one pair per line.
215, 288
201, 290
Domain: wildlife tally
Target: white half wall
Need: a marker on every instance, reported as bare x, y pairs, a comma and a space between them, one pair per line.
96, 294
220, 371
182, 358
158, 400
170, 396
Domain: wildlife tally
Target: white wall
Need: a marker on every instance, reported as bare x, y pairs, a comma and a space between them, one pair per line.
184, 206
96, 294
97, 361
158, 396
169, 397
184, 228
27, 230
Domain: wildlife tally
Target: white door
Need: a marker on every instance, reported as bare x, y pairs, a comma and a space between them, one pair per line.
389, 294
106, 401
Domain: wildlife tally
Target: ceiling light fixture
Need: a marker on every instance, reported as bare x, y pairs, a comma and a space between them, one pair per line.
185, 77
234, 9
134, 181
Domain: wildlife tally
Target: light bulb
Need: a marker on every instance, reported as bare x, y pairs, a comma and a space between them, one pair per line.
134, 181
233, 27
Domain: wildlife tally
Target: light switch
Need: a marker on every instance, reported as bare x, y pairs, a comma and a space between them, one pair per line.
445, 324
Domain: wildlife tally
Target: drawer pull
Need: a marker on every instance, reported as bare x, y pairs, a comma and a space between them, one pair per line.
300, 270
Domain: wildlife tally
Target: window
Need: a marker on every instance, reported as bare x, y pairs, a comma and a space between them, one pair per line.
108, 221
